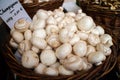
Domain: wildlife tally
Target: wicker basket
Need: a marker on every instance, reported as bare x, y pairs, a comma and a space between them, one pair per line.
100, 14
31, 8
104, 15
94, 73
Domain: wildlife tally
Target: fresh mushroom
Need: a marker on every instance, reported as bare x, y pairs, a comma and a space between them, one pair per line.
40, 68
80, 48
30, 59
96, 57
63, 51
21, 25
17, 36
48, 57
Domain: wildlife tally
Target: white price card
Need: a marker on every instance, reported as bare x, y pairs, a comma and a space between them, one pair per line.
11, 11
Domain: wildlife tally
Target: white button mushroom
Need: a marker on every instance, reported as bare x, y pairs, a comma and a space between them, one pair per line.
35, 18
63, 51
72, 27
96, 57
63, 35
86, 65
51, 29
59, 14
86, 23
51, 20
21, 25
41, 33
40, 68
42, 14
104, 48
51, 71
48, 57
90, 49
30, 59
56, 65
38, 24
82, 35
53, 40
72, 14
106, 39
48, 47
79, 16
35, 49
24, 46
68, 19
64, 71
13, 43
17, 36
74, 39
98, 30
80, 48
93, 39
28, 34
38, 42
72, 63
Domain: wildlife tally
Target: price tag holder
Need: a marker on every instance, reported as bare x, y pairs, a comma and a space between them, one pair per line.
11, 11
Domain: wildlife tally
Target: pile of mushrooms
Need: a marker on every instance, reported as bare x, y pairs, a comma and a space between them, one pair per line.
57, 43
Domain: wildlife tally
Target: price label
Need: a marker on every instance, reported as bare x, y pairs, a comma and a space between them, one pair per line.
11, 11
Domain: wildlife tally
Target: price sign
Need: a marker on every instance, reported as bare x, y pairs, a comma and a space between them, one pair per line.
11, 11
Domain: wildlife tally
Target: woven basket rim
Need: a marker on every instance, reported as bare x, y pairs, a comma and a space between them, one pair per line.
32, 8
50, 2
94, 73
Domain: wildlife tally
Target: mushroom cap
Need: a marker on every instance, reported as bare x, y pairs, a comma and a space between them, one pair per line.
53, 40
38, 24
90, 49
41, 33
24, 46
86, 23
104, 48
40, 68
82, 35
38, 42
63, 71
63, 51
42, 14
96, 57
72, 63
30, 59
93, 39
50, 29
80, 48
48, 57
28, 34
21, 25
17, 36
51, 71
98, 30
13, 43
106, 39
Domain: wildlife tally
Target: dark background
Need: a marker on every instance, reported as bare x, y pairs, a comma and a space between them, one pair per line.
5, 73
